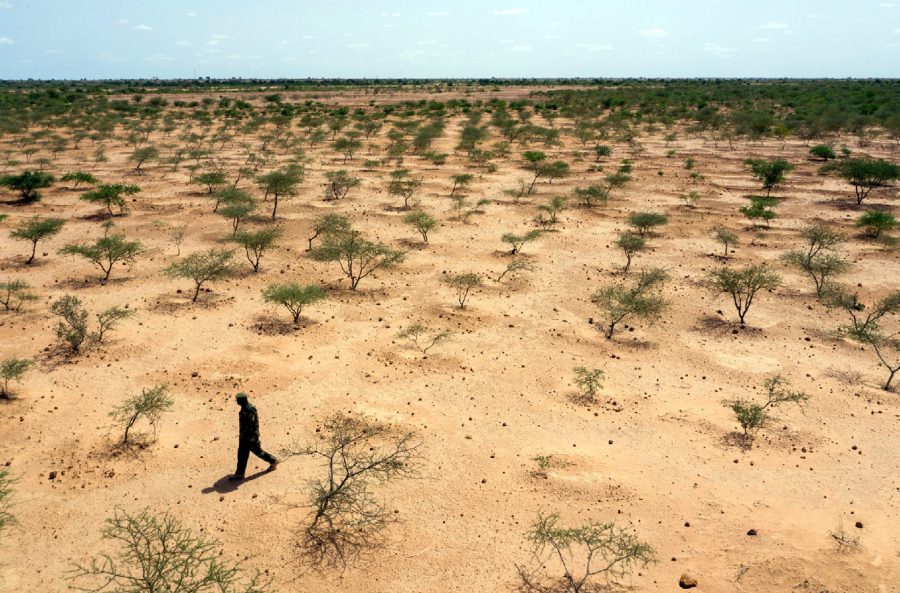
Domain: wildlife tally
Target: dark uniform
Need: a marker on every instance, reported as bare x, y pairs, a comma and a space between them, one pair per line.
248, 441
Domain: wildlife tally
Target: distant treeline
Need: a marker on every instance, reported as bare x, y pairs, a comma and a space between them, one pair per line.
730, 108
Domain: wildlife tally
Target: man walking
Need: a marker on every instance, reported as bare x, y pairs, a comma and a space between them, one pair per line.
248, 441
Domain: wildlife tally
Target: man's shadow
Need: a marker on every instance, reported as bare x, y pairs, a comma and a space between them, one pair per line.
223, 485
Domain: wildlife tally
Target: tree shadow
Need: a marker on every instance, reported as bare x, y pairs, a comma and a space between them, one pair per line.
223, 485
742, 441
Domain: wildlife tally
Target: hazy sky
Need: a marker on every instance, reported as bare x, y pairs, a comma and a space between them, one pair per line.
448, 38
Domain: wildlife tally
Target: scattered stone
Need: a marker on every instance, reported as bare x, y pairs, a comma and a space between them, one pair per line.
687, 581
751, 532
51, 476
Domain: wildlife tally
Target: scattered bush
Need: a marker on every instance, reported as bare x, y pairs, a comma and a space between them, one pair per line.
725, 238
876, 222
643, 222
357, 256
106, 252
213, 180
14, 294
422, 222
589, 382
462, 284
630, 244
751, 416
769, 173
516, 265
203, 267
582, 554
110, 195
35, 230
424, 338
868, 330
690, 199
158, 553
149, 404
760, 208
12, 369
640, 299
517, 242
79, 177
294, 296
72, 328
356, 452
28, 184
742, 285
339, 184
7, 519
823, 151
552, 208
255, 243
818, 259
328, 224
865, 174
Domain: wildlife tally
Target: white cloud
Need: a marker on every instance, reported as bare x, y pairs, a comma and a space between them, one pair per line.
897, 31
653, 33
438, 13
521, 48
143, 27
6, 5
220, 36
593, 47
114, 59
762, 40
192, 14
6, 41
122, 22
775, 26
183, 43
886, 5
718, 50
361, 45
510, 11
391, 15
309, 36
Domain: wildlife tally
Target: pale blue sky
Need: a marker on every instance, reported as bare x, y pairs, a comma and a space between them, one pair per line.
448, 38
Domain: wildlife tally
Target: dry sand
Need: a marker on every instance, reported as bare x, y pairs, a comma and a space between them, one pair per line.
653, 452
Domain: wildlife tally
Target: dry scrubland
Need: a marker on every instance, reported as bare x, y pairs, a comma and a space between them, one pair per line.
657, 450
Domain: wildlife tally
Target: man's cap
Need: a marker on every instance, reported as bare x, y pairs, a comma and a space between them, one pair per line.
241, 395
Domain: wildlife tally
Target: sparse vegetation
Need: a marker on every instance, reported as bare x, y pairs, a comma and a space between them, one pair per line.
752, 416
743, 284
591, 551
294, 297
640, 299
159, 553
150, 404
356, 452
357, 256
630, 244
769, 173
35, 230
463, 284
203, 267
589, 382
106, 252
423, 337
11, 369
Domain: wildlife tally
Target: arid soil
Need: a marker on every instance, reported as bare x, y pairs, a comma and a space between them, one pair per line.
657, 451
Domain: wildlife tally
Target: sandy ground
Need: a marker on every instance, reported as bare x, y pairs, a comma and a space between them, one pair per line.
653, 452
